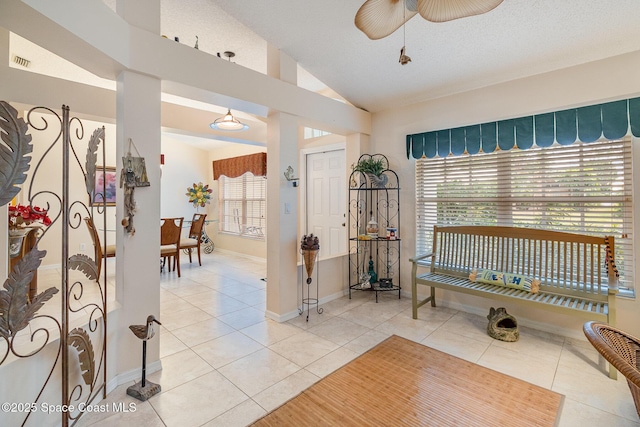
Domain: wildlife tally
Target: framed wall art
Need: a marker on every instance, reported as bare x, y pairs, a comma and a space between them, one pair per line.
105, 180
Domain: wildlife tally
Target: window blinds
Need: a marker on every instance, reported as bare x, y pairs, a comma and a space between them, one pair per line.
243, 205
580, 188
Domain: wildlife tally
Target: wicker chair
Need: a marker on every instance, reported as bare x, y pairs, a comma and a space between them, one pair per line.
195, 233
621, 350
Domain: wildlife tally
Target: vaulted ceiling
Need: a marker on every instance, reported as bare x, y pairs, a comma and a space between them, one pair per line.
519, 38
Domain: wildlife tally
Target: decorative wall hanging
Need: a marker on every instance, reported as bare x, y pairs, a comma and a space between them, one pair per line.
199, 194
289, 175
133, 174
135, 169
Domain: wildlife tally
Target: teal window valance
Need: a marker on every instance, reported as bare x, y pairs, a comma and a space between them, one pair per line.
587, 124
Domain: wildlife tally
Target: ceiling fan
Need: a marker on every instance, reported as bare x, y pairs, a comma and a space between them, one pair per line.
380, 18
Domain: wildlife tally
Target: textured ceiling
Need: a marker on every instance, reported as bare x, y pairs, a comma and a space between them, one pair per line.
519, 38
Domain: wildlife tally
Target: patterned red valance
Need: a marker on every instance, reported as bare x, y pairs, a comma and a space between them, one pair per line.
237, 166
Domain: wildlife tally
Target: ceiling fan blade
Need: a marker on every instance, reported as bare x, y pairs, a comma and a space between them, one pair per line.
379, 18
448, 10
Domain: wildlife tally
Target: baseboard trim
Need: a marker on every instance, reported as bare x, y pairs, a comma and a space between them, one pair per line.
280, 318
240, 254
132, 375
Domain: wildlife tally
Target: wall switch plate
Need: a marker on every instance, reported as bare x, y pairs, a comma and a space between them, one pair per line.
287, 208
83, 246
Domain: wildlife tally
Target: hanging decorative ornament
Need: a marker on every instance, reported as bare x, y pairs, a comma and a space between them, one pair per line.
133, 174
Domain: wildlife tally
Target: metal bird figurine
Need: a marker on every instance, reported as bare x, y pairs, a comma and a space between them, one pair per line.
145, 332
141, 390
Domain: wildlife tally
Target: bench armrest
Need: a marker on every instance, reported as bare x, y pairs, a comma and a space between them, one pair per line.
420, 257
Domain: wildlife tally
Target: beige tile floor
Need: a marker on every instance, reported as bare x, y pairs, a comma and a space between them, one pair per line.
225, 364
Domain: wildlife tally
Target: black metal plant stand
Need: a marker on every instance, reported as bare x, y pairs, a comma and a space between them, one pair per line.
374, 226
309, 301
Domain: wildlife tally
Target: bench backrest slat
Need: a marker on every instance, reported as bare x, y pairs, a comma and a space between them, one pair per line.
564, 262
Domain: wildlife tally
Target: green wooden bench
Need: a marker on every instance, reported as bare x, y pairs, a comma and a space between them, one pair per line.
576, 272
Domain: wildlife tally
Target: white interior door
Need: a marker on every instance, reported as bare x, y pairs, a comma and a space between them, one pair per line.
326, 183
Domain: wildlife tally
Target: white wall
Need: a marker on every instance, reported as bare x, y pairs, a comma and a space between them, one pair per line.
592, 83
184, 165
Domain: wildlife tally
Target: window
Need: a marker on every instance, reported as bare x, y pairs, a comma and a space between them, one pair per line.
314, 133
243, 205
579, 188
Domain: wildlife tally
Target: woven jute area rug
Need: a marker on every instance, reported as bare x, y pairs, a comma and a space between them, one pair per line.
403, 383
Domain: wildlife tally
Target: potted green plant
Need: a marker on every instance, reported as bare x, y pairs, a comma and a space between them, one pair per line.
373, 166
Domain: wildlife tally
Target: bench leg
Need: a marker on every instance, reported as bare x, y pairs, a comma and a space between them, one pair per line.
414, 297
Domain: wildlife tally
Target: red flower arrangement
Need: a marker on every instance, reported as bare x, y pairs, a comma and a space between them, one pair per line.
20, 215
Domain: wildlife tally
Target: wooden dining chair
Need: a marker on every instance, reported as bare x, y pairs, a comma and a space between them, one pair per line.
100, 252
195, 233
170, 230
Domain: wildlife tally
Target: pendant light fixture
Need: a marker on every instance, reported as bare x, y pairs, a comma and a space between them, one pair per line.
228, 122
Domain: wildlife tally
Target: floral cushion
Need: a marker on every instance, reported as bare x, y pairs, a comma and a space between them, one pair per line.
509, 280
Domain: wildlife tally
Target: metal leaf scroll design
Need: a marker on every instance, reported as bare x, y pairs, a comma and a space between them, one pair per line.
15, 310
85, 264
92, 158
79, 339
14, 162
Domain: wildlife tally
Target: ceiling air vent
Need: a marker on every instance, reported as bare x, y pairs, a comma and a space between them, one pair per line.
21, 61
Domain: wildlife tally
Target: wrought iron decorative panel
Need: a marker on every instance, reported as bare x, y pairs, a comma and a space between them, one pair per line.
77, 373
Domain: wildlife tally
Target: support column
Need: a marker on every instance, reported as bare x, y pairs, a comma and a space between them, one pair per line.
282, 199
138, 116
138, 256
282, 217
357, 144
281, 66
